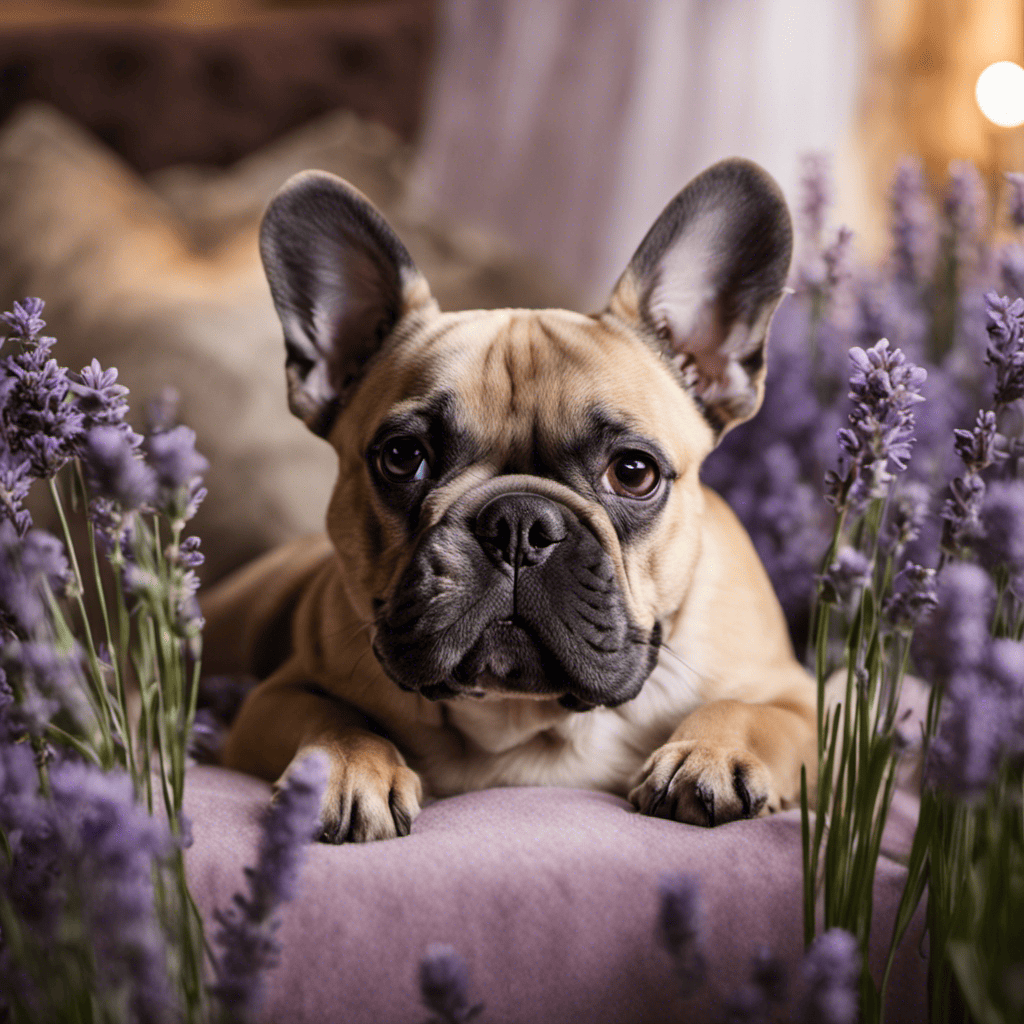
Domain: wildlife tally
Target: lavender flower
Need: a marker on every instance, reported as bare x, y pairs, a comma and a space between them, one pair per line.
114, 471
29, 566
884, 386
89, 850
679, 928
1015, 181
246, 932
24, 320
982, 722
1001, 546
102, 401
752, 1002
831, 969
15, 482
162, 411
1006, 347
913, 595
977, 448
965, 206
444, 985
179, 469
816, 195
1011, 269
954, 637
49, 680
845, 577
912, 225
108, 844
907, 511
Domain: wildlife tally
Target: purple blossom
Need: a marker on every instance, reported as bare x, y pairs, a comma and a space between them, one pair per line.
24, 320
831, 969
913, 595
1001, 545
752, 1002
162, 411
90, 851
179, 469
815, 195
15, 481
954, 637
1015, 206
29, 566
114, 471
907, 511
679, 923
444, 985
1006, 347
982, 722
1011, 269
36, 420
49, 679
836, 258
965, 206
109, 844
246, 932
977, 448
912, 225
845, 577
102, 401
883, 386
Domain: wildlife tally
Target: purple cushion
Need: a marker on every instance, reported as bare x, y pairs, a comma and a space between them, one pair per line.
549, 894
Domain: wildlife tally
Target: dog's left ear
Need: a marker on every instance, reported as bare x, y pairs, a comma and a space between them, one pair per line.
341, 281
705, 281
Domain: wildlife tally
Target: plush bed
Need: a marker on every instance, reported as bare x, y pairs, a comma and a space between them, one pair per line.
551, 897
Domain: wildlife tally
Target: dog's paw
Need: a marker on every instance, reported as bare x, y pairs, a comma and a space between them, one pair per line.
370, 792
704, 784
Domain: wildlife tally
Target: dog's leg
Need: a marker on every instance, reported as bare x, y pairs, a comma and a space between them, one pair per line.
730, 760
370, 793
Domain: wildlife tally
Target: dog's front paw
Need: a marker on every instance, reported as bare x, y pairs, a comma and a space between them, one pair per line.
704, 784
370, 792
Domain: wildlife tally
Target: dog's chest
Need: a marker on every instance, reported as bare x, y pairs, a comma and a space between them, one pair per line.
516, 742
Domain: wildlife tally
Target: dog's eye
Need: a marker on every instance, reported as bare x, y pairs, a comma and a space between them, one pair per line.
404, 458
632, 475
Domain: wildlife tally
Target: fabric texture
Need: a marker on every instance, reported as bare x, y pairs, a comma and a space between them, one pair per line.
550, 895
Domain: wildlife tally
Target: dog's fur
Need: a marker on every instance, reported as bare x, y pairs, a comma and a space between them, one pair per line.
526, 582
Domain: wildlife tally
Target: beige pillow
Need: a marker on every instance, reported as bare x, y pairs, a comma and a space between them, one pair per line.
164, 282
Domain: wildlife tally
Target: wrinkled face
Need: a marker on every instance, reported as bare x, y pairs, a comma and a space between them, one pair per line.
518, 504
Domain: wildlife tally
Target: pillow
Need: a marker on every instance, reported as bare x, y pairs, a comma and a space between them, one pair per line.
549, 894
165, 283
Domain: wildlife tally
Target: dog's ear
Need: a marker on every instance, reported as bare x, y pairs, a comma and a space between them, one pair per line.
341, 281
705, 281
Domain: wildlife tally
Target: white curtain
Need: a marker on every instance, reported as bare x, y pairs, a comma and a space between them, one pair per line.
566, 125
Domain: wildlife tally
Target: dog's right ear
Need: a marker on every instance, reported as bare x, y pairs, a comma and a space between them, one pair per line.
341, 281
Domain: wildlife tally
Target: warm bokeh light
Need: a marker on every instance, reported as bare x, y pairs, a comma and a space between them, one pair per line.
1000, 93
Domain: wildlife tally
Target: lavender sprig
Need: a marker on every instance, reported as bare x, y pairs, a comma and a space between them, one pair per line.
444, 985
679, 928
884, 387
246, 933
831, 971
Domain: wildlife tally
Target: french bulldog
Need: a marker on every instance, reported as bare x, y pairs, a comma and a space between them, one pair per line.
523, 580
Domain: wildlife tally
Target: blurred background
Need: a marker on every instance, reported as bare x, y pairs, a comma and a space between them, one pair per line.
520, 147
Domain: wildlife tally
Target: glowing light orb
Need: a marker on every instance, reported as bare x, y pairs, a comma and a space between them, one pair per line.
1000, 93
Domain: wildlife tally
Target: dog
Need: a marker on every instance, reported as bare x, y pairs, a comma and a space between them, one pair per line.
523, 580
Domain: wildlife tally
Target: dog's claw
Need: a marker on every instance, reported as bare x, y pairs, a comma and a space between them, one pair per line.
702, 784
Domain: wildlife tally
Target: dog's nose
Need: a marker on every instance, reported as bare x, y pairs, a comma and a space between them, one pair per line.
520, 528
